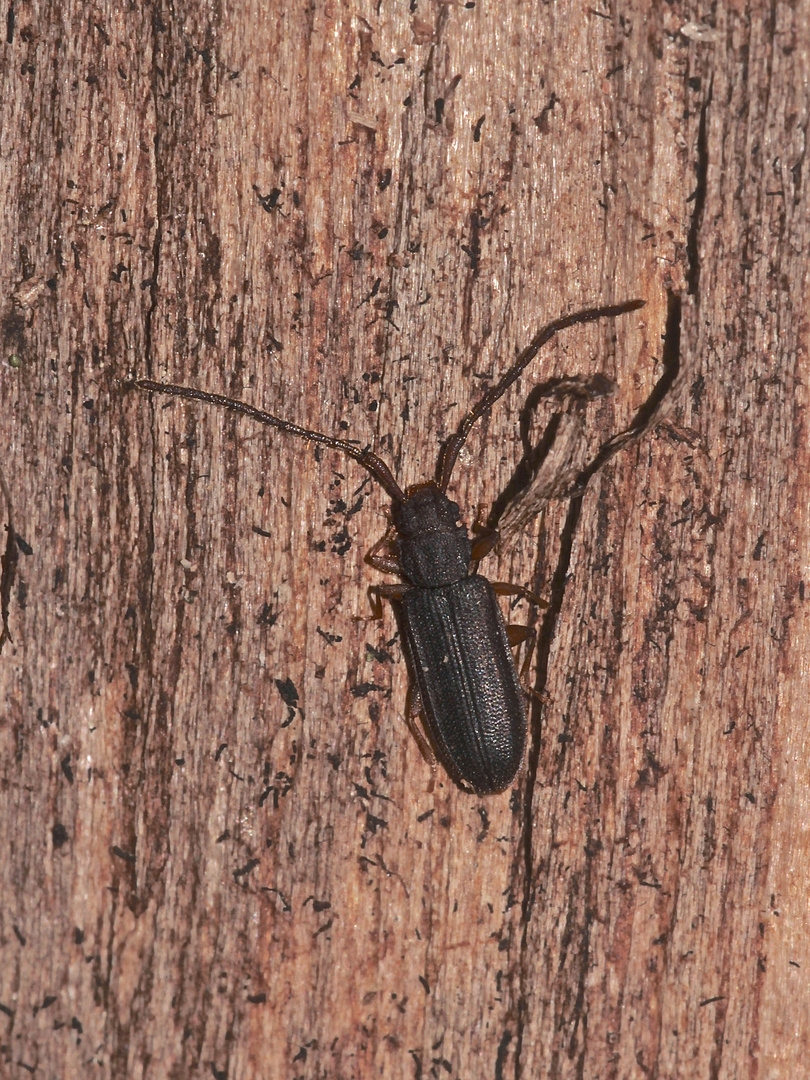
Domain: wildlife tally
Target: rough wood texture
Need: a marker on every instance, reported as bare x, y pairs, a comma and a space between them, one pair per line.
220, 853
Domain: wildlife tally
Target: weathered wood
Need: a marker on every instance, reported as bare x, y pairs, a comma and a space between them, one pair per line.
222, 856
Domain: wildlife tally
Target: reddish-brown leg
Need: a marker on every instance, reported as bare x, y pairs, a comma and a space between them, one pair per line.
387, 564
505, 588
483, 543
516, 636
378, 593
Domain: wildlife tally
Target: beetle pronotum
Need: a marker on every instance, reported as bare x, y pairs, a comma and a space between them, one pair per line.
455, 640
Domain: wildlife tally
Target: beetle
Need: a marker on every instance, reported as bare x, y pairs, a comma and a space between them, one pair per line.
457, 646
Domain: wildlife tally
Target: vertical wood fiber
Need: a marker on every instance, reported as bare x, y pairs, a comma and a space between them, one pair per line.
221, 855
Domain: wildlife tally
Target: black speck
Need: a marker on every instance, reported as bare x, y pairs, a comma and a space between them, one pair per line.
341, 541
267, 616
270, 201
119, 853
380, 655
289, 694
243, 871
374, 824
364, 689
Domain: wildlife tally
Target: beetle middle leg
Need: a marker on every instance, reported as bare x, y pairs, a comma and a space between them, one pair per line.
378, 593
506, 588
414, 718
484, 542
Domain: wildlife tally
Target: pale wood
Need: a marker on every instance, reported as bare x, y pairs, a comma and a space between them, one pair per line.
221, 854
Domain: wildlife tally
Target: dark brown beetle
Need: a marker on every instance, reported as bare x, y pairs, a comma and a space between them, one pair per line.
456, 643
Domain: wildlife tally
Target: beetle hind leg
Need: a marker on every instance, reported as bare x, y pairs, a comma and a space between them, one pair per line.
413, 718
516, 633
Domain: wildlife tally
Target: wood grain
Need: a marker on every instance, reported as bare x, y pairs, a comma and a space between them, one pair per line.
222, 855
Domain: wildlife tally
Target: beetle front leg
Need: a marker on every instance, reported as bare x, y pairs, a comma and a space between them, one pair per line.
387, 564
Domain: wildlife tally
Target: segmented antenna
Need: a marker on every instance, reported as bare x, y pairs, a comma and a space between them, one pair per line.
373, 464
450, 450
376, 466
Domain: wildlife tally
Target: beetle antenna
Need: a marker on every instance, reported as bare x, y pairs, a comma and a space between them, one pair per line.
373, 464
450, 450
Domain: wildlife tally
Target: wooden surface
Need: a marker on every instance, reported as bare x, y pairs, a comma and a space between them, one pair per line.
221, 855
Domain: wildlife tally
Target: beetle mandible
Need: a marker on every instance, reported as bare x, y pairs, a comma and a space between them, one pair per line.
454, 636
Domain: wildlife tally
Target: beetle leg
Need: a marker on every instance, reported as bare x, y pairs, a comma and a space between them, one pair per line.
505, 588
390, 592
375, 600
483, 543
387, 564
413, 718
378, 593
516, 635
